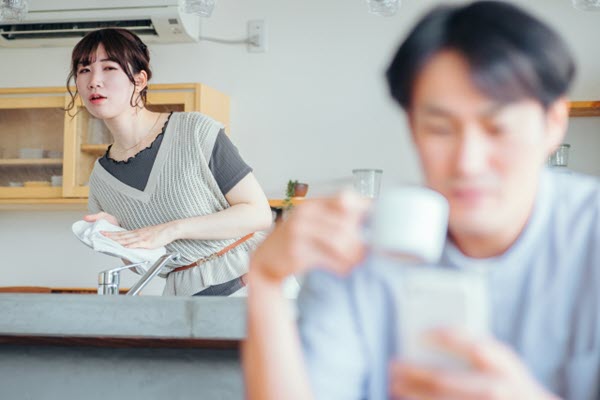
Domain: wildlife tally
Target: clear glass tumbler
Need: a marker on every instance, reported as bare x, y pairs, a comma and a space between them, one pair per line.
560, 158
367, 181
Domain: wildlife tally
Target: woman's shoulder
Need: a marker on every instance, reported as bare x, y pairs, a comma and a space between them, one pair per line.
195, 119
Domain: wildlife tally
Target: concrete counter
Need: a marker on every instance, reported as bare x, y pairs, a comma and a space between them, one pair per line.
97, 347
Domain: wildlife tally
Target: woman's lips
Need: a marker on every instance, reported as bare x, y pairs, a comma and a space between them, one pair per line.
96, 98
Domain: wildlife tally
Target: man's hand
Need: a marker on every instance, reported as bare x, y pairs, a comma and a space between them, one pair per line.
318, 233
496, 373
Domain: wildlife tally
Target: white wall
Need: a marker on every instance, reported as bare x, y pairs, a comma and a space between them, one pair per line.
312, 108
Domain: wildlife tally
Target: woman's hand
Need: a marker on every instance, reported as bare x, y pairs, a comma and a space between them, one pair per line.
101, 215
496, 373
150, 237
318, 233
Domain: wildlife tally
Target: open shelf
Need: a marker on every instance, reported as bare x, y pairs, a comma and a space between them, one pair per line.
31, 162
94, 149
584, 109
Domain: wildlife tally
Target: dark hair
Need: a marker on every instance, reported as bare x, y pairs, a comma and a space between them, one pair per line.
121, 46
512, 55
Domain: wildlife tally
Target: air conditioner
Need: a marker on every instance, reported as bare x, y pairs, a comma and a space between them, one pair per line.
65, 22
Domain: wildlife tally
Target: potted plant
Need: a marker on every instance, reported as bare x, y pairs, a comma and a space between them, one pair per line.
294, 189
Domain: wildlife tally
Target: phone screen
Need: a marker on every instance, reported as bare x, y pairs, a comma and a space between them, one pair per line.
431, 298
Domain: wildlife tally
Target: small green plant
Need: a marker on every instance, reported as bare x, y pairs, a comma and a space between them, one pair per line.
289, 193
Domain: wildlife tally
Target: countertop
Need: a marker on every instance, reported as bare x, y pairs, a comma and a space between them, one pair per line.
122, 321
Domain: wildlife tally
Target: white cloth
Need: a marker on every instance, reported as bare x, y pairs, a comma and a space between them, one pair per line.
89, 234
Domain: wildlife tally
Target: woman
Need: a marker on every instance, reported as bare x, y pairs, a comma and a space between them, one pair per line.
171, 180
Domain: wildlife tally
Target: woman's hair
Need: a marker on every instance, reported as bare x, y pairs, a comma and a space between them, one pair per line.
121, 46
511, 54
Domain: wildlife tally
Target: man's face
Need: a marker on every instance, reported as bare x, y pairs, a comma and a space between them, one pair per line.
483, 156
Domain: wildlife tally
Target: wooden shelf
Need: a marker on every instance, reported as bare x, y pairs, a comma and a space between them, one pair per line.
31, 162
94, 149
36, 118
278, 203
584, 109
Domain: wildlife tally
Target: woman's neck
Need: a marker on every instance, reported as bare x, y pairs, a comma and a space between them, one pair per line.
132, 133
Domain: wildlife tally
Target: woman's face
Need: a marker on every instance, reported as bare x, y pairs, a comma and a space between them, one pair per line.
104, 87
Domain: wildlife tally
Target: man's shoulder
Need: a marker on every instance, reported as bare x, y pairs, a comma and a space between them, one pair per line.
576, 195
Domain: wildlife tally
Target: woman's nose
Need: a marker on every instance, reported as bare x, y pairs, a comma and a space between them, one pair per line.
95, 80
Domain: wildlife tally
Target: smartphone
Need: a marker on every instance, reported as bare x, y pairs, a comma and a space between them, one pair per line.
431, 298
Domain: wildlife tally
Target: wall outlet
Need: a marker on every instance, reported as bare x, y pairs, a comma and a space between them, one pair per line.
257, 36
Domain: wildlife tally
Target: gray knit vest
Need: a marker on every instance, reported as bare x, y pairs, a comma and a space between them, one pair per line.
180, 185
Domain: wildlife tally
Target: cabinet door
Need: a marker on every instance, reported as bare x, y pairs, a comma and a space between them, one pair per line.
86, 138
31, 144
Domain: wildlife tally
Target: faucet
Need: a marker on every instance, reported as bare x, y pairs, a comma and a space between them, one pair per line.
108, 281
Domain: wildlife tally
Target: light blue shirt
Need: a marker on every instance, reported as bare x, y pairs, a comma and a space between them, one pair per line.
544, 295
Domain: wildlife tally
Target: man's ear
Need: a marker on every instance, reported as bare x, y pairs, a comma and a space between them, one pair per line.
410, 119
557, 121
141, 81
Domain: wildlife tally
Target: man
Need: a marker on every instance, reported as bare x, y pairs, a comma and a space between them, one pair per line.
484, 88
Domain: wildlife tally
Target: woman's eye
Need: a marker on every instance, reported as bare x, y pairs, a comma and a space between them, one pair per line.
109, 68
82, 70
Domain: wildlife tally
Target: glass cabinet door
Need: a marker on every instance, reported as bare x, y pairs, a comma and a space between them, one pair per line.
87, 138
31, 144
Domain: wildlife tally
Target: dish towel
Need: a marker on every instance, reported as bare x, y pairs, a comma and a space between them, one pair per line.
89, 234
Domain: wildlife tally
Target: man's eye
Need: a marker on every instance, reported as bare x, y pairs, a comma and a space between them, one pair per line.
439, 130
497, 130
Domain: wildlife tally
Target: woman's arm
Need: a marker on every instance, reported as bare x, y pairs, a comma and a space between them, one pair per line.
249, 212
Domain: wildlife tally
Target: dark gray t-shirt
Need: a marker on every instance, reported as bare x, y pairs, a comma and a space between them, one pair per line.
226, 164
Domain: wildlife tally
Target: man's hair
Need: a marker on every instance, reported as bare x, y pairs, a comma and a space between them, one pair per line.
512, 55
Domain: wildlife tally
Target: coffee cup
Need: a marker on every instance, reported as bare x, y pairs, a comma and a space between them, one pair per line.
411, 222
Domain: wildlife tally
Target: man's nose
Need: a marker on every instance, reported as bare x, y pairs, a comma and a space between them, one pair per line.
472, 152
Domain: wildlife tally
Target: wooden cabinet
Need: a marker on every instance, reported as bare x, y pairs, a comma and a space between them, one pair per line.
47, 153
31, 143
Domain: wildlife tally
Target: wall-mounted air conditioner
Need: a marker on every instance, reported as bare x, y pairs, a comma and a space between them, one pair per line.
65, 22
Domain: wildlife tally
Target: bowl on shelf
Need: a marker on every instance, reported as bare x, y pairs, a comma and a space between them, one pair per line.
53, 154
31, 153
56, 180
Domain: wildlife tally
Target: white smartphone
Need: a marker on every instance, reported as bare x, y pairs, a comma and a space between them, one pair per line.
431, 298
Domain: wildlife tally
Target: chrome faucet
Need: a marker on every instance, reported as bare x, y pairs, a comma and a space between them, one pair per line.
108, 281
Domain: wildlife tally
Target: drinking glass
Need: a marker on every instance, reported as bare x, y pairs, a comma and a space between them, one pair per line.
560, 158
367, 181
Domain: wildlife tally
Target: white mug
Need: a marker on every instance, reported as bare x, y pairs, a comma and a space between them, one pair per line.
410, 221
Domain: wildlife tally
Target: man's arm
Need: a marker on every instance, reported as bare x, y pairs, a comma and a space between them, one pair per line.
273, 363
319, 232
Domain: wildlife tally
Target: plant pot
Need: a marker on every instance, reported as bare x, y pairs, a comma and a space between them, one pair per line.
300, 189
